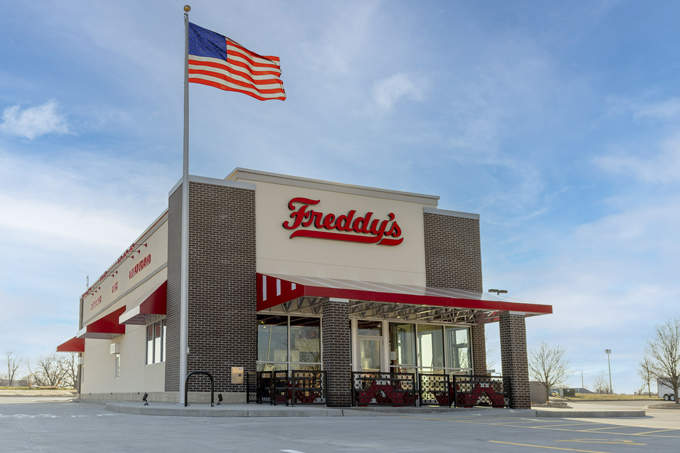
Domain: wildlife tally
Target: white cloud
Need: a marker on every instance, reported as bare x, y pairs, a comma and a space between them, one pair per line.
33, 122
389, 91
660, 110
662, 167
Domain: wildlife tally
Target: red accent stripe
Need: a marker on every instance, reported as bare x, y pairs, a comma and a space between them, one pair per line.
336, 236
227, 88
386, 241
219, 75
231, 42
234, 58
223, 66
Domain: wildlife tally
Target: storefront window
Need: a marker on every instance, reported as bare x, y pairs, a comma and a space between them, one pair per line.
149, 344
305, 340
117, 372
155, 343
402, 347
292, 343
370, 328
430, 347
272, 338
457, 343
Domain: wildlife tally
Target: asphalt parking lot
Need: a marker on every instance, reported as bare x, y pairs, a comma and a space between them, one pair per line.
56, 425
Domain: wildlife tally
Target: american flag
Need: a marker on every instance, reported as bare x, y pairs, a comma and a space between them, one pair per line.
220, 62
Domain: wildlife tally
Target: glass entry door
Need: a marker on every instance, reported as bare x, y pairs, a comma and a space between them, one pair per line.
370, 354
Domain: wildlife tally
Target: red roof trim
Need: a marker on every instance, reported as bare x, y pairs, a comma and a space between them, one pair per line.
273, 291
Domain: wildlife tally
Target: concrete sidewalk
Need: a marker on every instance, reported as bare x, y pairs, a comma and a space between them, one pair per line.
265, 410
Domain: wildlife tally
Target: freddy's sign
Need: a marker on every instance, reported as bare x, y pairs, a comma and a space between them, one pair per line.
348, 227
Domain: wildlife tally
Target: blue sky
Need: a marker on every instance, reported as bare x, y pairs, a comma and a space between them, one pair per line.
557, 122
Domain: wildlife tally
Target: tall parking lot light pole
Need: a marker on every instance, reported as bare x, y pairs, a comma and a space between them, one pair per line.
608, 352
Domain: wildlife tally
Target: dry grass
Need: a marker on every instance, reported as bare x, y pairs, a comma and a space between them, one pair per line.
609, 397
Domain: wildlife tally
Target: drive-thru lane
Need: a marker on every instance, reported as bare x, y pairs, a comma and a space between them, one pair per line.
80, 427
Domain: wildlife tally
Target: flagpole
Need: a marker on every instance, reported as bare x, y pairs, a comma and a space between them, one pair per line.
184, 266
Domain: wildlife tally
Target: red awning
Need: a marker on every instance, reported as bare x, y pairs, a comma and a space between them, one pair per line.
104, 328
273, 290
151, 304
75, 344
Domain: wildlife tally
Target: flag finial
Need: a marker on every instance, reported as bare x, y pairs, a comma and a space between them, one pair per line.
187, 8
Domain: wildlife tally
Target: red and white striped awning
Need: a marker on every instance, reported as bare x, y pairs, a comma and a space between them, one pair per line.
276, 289
104, 328
154, 303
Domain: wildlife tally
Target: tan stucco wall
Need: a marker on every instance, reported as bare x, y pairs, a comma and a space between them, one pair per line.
98, 362
277, 253
156, 246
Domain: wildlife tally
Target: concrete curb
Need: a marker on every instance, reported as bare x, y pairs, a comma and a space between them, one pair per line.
229, 410
204, 410
565, 413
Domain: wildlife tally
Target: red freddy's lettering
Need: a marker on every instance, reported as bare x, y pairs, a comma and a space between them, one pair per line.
141, 265
347, 227
95, 302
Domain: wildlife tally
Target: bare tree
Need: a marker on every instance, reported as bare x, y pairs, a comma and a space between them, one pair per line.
646, 372
601, 383
47, 371
664, 353
490, 351
13, 364
68, 365
548, 366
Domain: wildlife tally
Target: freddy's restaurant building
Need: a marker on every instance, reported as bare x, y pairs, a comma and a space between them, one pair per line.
353, 285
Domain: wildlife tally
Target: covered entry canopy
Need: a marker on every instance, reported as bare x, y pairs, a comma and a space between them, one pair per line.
370, 299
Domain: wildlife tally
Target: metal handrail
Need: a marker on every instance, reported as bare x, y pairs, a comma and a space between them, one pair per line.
212, 387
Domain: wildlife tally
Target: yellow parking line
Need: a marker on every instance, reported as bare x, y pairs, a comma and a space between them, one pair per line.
656, 431
548, 448
599, 429
567, 424
608, 442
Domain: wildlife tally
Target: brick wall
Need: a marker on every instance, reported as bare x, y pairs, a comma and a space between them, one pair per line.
453, 259
453, 254
174, 291
222, 322
514, 359
478, 334
336, 352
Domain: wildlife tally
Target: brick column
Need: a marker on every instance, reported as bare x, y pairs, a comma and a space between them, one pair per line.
514, 359
336, 352
453, 259
222, 324
478, 335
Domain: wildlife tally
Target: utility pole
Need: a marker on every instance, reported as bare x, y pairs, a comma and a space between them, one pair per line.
608, 352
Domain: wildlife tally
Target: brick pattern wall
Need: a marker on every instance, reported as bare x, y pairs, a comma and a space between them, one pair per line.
453, 254
336, 353
514, 359
174, 292
478, 335
222, 298
453, 259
